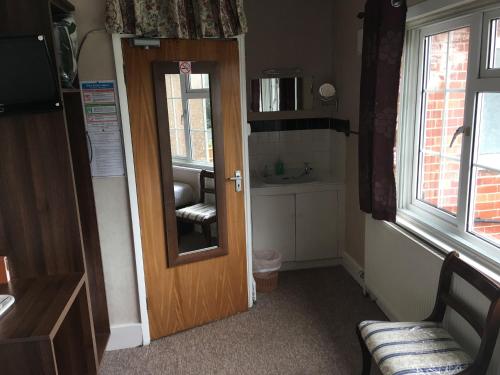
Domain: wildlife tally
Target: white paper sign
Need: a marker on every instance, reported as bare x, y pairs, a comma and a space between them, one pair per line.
103, 128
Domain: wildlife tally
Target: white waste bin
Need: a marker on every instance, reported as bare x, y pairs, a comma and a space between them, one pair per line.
266, 264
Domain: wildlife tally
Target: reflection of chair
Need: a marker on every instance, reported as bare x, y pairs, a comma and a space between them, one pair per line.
201, 213
426, 347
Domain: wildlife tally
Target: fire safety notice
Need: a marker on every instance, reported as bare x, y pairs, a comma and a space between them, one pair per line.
103, 125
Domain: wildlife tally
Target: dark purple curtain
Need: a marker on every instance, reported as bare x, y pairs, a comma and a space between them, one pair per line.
384, 29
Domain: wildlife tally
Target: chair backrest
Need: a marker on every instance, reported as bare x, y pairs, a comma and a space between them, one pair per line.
204, 174
486, 329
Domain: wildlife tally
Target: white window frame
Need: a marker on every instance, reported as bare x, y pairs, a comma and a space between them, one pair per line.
435, 225
485, 71
186, 94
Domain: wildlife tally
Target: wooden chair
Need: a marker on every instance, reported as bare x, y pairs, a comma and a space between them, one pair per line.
426, 347
202, 213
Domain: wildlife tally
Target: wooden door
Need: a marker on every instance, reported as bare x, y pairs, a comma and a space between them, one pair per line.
317, 225
191, 294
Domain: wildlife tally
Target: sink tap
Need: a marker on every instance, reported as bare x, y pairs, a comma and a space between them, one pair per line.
307, 169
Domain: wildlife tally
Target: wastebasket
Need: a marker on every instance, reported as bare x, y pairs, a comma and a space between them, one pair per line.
266, 264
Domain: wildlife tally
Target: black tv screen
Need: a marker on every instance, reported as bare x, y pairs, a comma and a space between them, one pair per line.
28, 77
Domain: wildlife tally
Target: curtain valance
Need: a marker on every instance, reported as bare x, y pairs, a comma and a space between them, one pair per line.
183, 19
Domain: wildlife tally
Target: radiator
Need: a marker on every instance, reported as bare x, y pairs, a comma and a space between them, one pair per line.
402, 275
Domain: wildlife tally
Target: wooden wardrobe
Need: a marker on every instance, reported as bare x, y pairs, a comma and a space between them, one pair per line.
48, 226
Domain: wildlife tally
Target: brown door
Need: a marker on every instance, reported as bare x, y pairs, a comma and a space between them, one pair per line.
186, 293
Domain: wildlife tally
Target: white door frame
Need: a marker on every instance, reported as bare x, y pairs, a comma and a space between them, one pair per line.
132, 187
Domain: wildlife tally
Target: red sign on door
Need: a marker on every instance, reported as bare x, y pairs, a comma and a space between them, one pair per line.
185, 67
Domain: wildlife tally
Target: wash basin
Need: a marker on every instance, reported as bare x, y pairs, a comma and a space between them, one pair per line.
288, 179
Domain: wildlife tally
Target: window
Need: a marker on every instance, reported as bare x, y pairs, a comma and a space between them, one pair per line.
189, 117
449, 145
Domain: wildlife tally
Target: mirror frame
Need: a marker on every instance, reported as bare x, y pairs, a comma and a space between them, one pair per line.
160, 69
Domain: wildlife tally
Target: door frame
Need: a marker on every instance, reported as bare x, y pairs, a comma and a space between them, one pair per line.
132, 187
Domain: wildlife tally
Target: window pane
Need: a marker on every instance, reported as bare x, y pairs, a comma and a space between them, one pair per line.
443, 101
178, 143
494, 50
198, 81
485, 207
176, 125
200, 129
173, 84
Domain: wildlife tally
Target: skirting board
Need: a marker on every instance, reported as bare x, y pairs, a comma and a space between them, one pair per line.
291, 266
125, 336
354, 269
384, 306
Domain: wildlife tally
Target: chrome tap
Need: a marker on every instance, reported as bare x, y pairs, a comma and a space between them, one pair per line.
307, 169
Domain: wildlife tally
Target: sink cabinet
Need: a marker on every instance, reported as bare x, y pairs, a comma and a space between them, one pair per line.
304, 222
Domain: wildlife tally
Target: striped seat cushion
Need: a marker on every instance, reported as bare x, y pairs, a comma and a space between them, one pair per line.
413, 348
199, 212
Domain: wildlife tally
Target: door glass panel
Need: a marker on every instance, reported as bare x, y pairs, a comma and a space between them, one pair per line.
485, 204
443, 103
191, 141
494, 44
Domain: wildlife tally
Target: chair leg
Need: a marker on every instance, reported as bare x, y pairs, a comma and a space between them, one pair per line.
207, 234
367, 358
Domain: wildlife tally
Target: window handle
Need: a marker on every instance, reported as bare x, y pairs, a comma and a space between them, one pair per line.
460, 130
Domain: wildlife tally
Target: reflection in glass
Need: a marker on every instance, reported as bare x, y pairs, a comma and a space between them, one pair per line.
485, 210
191, 141
281, 94
494, 50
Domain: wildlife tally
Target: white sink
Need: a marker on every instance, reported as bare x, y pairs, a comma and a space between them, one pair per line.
288, 179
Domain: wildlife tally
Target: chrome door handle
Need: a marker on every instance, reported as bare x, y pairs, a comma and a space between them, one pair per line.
237, 181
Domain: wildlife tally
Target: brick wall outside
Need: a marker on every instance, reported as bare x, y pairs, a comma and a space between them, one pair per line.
444, 107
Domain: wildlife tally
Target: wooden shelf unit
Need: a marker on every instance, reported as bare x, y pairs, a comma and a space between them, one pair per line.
41, 329
48, 224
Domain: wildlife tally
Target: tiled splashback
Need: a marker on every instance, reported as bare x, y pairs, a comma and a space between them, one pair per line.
293, 148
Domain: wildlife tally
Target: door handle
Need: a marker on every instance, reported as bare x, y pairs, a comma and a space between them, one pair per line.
237, 181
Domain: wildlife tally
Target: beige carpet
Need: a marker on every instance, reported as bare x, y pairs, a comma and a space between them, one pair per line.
304, 327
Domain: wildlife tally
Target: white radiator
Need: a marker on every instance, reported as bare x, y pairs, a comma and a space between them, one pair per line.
402, 275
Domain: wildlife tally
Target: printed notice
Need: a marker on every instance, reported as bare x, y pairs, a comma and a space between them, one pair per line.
103, 126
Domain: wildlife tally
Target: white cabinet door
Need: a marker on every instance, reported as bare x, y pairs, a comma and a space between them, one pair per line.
273, 222
317, 225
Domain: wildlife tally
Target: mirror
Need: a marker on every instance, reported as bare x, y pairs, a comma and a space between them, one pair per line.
189, 132
281, 94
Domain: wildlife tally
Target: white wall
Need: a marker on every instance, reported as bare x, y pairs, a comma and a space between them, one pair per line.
295, 148
111, 194
402, 274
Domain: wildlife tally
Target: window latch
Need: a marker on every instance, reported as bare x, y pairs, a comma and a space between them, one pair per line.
461, 130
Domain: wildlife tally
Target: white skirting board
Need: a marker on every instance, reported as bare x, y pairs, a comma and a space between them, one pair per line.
354, 269
125, 336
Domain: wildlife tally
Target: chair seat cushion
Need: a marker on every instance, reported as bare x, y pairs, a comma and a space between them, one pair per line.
413, 348
199, 212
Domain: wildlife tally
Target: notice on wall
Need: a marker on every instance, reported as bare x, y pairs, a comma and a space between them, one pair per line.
102, 119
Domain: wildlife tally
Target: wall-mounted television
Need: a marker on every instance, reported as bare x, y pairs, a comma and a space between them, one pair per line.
28, 76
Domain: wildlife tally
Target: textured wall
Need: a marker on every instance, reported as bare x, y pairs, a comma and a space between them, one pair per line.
111, 194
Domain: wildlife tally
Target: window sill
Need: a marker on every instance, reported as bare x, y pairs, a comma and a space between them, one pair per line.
192, 166
444, 242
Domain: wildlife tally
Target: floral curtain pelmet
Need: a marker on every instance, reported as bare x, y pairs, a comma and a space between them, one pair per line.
384, 28
183, 19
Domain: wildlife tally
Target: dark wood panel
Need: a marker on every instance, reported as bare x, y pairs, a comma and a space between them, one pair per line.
87, 209
73, 344
41, 305
41, 229
32, 358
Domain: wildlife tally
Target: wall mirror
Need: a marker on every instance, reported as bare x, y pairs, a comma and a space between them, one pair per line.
190, 134
274, 94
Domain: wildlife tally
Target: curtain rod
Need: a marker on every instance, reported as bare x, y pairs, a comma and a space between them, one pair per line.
394, 3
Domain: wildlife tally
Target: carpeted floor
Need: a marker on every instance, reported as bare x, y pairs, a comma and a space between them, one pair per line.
304, 327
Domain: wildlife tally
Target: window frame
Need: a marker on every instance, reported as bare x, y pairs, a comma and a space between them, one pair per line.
186, 94
435, 225
485, 53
